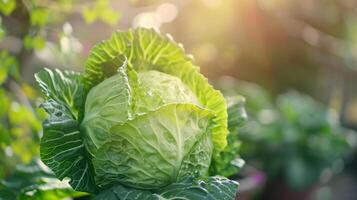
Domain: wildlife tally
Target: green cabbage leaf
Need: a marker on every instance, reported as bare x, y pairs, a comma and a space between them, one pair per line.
212, 188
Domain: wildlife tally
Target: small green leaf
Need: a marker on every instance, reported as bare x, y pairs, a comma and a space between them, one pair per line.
34, 42
101, 10
7, 6
89, 15
8, 66
63, 87
39, 17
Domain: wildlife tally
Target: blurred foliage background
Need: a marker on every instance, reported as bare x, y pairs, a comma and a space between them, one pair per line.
295, 62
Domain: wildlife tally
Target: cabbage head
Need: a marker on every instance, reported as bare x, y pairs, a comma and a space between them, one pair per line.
141, 116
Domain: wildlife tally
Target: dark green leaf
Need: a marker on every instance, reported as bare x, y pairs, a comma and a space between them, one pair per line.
62, 148
212, 188
63, 87
123, 193
35, 181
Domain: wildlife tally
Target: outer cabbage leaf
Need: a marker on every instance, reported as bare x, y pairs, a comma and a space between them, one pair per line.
35, 181
145, 49
157, 148
212, 188
228, 163
62, 148
63, 87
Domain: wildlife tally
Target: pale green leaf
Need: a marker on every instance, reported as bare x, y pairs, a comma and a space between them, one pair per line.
107, 104
155, 89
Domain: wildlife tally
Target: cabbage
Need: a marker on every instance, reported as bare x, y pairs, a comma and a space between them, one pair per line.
141, 118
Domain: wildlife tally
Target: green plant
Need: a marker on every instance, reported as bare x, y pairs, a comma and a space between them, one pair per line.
140, 121
295, 139
35, 181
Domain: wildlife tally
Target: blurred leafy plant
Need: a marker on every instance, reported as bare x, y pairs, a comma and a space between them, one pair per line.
295, 139
101, 11
6, 7
35, 181
20, 124
9, 66
143, 2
